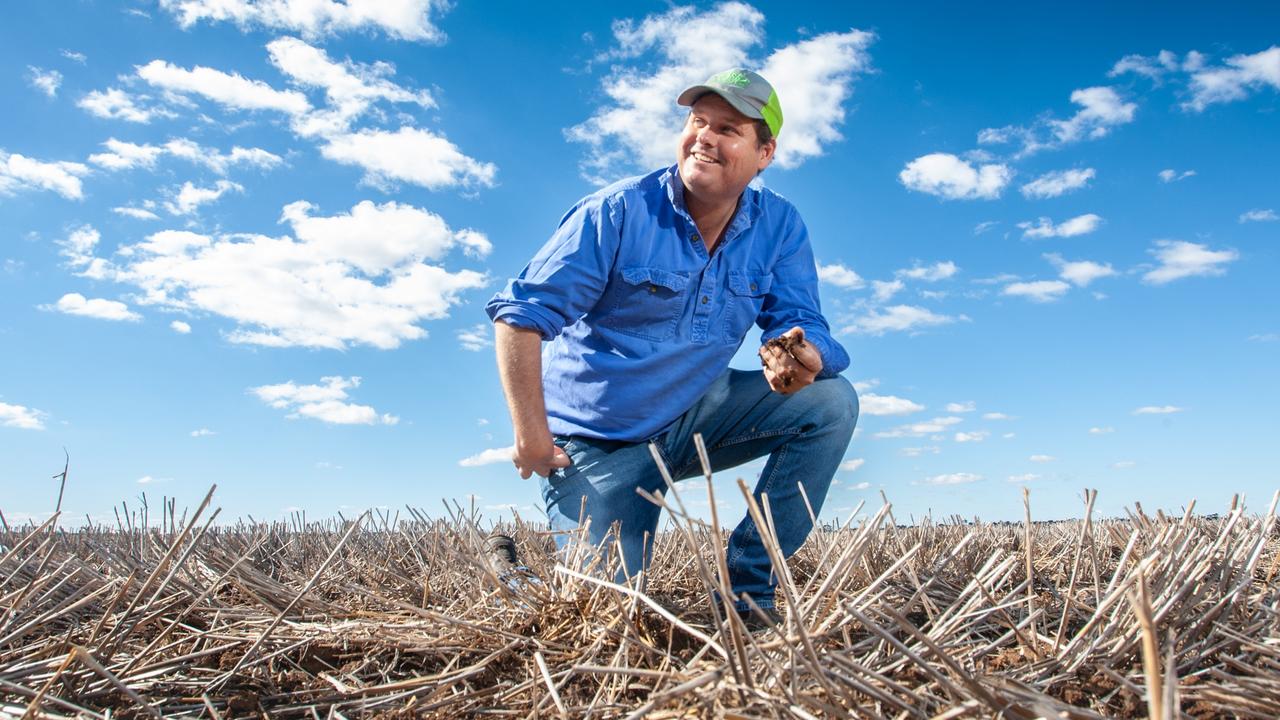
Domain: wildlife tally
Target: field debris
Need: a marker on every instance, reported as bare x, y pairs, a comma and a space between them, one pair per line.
401, 615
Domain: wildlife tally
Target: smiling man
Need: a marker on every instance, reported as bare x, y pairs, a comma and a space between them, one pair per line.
644, 293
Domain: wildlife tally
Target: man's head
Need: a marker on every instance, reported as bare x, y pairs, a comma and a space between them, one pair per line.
729, 136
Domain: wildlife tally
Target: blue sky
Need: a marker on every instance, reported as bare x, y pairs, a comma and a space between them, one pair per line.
250, 243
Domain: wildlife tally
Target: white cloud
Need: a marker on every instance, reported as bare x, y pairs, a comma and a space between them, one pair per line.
79, 244
840, 276
116, 104
18, 416
491, 456
655, 59
960, 478
1101, 109
180, 327
1041, 458
1265, 337
975, 436
364, 277
136, 213
1267, 215
324, 402
932, 273
1180, 259
77, 304
984, 226
1038, 290
1101, 430
883, 290
231, 90
920, 429
1122, 464
189, 198
18, 172
202, 432
1044, 228
851, 465
898, 317
122, 155
1055, 184
74, 56
148, 480
918, 451
46, 81
996, 416
408, 155
399, 19
1169, 175
350, 88
476, 338
1241, 75
862, 485
220, 162
1150, 67
1080, 273
961, 407
1024, 478
949, 177
872, 404
1157, 410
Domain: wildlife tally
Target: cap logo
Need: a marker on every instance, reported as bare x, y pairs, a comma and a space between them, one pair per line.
736, 78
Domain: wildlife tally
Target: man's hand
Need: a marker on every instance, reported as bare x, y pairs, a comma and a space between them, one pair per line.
790, 363
542, 457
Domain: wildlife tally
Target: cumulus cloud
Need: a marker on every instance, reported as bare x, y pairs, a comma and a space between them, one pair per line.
180, 327
230, 90
1041, 458
931, 273
18, 172
1101, 430
1044, 227
1179, 259
79, 245
1267, 215
975, 436
220, 162
1101, 109
21, 417
996, 416
365, 277
189, 198
409, 155
1150, 67
961, 407
898, 318
116, 104
1081, 272
492, 456
872, 404
1024, 478
884, 289
1055, 184
1235, 80
46, 81
122, 155
1158, 410
851, 465
476, 338
325, 402
1038, 290
920, 429
960, 478
202, 432
135, 213
399, 19
1169, 175
653, 60
840, 276
951, 178
77, 304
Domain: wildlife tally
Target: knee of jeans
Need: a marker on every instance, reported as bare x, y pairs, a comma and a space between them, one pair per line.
835, 403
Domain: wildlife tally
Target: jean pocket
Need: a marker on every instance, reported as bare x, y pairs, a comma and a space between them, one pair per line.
747, 291
648, 303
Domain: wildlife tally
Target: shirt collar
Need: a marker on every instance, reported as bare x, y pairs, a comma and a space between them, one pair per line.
748, 203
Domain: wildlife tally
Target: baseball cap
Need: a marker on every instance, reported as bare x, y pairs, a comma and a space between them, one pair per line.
746, 91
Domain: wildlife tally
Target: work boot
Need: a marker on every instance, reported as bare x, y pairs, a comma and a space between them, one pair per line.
500, 553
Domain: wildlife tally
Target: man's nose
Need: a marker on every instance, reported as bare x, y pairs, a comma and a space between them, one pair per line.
706, 136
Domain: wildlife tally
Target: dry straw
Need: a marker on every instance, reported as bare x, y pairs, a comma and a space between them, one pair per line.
1150, 616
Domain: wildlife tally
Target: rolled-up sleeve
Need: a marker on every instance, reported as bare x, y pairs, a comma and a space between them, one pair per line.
793, 300
567, 276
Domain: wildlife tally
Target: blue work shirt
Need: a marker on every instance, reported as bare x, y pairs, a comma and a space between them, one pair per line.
641, 319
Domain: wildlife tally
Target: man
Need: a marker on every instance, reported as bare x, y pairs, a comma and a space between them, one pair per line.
644, 293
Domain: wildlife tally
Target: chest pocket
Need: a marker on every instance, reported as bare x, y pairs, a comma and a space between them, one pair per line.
648, 303
746, 296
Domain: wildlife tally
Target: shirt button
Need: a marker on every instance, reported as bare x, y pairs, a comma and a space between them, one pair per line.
695, 238
705, 299
653, 289
753, 287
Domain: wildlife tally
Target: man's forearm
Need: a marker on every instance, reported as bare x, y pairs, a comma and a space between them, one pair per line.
520, 369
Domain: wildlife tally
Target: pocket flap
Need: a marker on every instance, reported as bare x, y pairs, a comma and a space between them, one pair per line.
655, 276
750, 284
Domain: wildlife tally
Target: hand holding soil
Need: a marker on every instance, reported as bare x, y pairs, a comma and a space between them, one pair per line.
790, 363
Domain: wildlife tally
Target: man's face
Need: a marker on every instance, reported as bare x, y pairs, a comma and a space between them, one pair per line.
718, 152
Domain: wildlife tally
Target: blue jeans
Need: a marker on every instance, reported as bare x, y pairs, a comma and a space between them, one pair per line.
740, 418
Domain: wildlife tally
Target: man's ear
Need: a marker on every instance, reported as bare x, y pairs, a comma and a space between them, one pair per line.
765, 154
